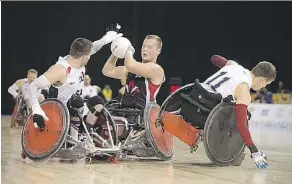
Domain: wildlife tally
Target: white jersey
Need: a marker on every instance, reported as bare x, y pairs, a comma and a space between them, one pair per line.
227, 79
89, 91
72, 85
24, 89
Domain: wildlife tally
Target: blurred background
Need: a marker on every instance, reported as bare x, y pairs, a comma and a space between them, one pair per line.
35, 34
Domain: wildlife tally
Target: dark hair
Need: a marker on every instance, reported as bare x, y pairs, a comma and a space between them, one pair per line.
265, 69
80, 47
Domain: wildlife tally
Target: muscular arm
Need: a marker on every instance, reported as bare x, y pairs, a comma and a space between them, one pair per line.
147, 70
243, 98
56, 73
111, 70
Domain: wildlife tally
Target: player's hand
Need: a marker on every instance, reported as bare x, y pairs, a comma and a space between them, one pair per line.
131, 50
112, 33
260, 159
39, 116
17, 98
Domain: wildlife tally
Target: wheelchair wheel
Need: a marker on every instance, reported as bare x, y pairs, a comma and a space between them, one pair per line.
40, 146
222, 141
161, 141
114, 104
173, 102
16, 112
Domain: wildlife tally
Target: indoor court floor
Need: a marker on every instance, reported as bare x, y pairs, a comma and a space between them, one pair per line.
184, 168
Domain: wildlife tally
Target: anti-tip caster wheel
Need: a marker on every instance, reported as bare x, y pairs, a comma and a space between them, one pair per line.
88, 160
194, 148
23, 156
123, 156
113, 159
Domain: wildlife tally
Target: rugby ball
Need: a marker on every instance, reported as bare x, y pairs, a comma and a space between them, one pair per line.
120, 46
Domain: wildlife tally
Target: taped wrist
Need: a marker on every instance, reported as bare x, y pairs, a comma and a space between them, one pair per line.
253, 149
241, 123
13, 90
40, 83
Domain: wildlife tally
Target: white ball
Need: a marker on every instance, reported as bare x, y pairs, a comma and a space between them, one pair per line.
120, 46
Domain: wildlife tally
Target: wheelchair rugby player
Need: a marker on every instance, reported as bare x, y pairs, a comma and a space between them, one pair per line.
216, 110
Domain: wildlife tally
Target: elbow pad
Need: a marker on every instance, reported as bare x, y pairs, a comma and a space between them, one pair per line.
218, 61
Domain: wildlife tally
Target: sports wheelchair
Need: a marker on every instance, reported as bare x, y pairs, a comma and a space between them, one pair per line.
118, 132
20, 112
193, 114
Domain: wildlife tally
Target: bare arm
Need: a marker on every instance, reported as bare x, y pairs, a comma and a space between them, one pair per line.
242, 94
111, 70
243, 98
147, 70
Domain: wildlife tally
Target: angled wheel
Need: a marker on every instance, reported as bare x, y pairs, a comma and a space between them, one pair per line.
40, 146
16, 112
161, 141
222, 141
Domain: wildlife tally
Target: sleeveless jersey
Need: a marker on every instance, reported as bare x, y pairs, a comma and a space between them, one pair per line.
72, 85
227, 79
139, 91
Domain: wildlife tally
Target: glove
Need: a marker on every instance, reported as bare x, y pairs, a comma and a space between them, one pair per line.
260, 159
112, 33
39, 117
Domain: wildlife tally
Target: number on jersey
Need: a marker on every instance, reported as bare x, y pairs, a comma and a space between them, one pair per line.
216, 85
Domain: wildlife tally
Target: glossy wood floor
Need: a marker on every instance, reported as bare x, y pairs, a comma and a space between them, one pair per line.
184, 168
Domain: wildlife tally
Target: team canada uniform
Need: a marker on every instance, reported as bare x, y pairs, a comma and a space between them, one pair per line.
73, 84
139, 91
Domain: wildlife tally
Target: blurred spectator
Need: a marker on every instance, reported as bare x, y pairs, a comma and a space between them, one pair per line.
88, 90
107, 93
264, 96
281, 88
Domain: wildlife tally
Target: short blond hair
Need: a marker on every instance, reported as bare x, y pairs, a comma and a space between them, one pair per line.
33, 71
87, 77
265, 69
157, 38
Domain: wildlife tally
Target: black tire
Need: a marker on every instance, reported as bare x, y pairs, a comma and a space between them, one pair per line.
236, 151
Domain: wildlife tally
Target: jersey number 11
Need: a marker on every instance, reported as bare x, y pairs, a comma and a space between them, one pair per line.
220, 82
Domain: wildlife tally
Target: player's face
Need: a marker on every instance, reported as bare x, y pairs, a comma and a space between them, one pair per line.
31, 77
149, 51
87, 81
260, 82
85, 59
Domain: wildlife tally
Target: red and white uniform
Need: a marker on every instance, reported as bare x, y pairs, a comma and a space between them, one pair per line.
73, 84
139, 91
